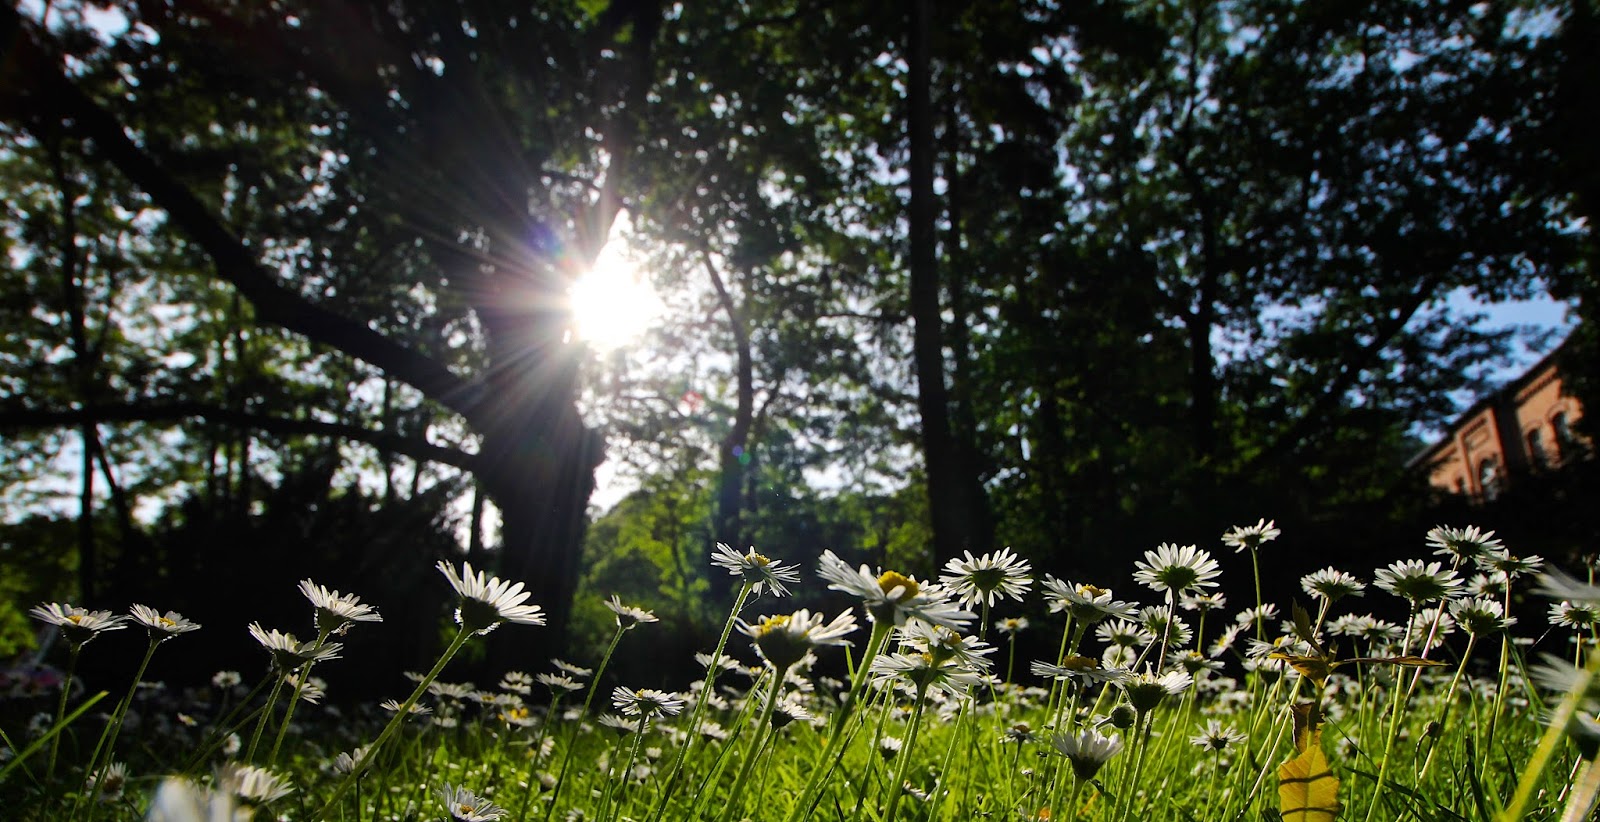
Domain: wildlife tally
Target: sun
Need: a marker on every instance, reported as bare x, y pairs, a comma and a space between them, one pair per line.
613, 303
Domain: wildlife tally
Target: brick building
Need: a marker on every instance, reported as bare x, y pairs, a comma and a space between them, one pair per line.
1525, 427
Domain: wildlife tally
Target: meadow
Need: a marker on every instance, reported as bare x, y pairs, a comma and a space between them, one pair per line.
1161, 703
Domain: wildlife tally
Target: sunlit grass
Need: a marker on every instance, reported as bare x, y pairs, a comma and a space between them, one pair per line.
1183, 714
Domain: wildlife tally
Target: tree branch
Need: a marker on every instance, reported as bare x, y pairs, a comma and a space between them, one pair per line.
20, 418
274, 302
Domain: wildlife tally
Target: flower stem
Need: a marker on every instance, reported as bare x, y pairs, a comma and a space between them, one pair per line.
61, 708
712, 669
572, 738
898, 787
394, 723
833, 751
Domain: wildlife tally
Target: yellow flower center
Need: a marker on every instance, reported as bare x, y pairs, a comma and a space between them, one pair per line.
772, 623
757, 558
465, 809
890, 580
1079, 663
166, 622
1091, 591
75, 619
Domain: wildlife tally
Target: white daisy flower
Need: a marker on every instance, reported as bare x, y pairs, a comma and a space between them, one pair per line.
1174, 569
1417, 581
254, 786
646, 702
466, 806
629, 615
1576, 615
1251, 536
1217, 737
943, 643
1085, 603
571, 669
1331, 584
785, 639
1145, 690
760, 571
77, 625
289, 653
1122, 634
987, 578
1011, 626
1510, 566
559, 683
161, 626
1079, 668
487, 601
921, 673
1463, 544
1480, 615
1087, 751
335, 612
892, 597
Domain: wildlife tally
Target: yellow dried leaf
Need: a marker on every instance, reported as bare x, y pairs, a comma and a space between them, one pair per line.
1307, 789
1314, 668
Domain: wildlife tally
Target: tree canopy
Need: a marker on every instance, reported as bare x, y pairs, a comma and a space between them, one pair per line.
942, 277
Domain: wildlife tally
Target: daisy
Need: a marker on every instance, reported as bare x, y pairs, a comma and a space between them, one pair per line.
336, 612
892, 597
1204, 603
1085, 603
162, 626
943, 643
628, 615
1145, 690
923, 672
559, 683
1122, 634
179, 800
785, 639
1431, 627
289, 653
987, 578
77, 625
645, 702
1251, 536
1576, 615
487, 601
759, 571
255, 786
112, 780
517, 682
1160, 623
1011, 626
1331, 584
1463, 544
1087, 750
348, 761
1079, 668
1492, 584
1512, 567
1173, 569
571, 669
1266, 613
1480, 615
466, 806
393, 705
621, 724
1417, 581
1217, 737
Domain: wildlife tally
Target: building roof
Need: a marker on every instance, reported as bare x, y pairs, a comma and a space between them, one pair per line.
1510, 389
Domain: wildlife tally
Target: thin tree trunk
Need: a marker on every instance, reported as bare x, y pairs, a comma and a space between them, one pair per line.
734, 449
947, 505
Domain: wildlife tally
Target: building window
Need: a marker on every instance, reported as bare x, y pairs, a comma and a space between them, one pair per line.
1536, 452
1489, 478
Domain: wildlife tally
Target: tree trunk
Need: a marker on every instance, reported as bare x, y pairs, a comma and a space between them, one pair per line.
947, 504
